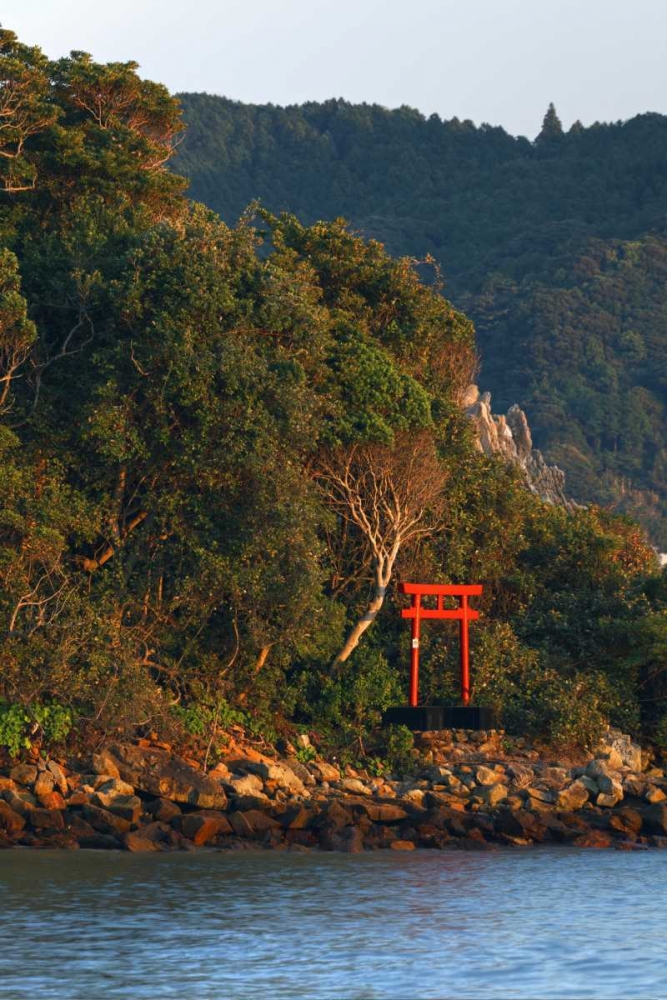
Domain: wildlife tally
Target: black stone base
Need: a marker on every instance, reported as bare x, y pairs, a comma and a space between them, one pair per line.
469, 717
423, 718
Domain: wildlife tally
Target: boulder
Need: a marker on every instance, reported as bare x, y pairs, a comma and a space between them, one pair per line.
486, 776
11, 822
59, 776
573, 797
282, 775
403, 845
128, 807
654, 794
24, 774
595, 839
154, 771
137, 842
349, 840
655, 819
626, 821
607, 800
163, 810
44, 783
22, 801
103, 763
323, 771
520, 823
491, 795
250, 823
245, 784
104, 821
47, 819
300, 770
203, 827
628, 752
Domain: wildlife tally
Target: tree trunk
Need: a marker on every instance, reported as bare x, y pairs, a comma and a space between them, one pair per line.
261, 659
382, 577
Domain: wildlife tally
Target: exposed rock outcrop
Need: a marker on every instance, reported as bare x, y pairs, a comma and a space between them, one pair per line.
509, 436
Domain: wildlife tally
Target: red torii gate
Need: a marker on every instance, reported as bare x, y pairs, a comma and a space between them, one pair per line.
463, 614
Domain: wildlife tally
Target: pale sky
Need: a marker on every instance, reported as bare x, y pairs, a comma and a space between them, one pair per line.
499, 61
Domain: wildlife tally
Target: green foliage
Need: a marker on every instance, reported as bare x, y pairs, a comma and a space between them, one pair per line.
400, 743
172, 385
554, 248
21, 724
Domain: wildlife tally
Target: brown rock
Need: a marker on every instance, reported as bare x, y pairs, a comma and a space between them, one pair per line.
155, 771
104, 821
47, 819
203, 827
655, 819
52, 800
573, 797
136, 842
103, 763
296, 818
11, 822
349, 840
626, 821
43, 785
78, 798
402, 845
128, 807
252, 822
59, 776
163, 810
520, 823
595, 838
24, 774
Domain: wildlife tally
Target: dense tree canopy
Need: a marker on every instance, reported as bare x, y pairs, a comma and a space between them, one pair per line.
555, 248
181, 402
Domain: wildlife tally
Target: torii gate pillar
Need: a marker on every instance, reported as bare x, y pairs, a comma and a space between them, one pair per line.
424, 717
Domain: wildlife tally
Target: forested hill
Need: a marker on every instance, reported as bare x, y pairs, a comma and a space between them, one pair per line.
557, 249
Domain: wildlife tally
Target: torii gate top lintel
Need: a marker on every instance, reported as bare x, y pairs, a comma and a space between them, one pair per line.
463, 614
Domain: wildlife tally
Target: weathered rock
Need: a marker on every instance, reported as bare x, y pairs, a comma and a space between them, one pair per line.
607, 800
154, 771
163, 810
627, 752
283, 777
655, 819
546, 796
21, 801
10, 821
296, 818
300, 770
252, 822
104, 763
491, 795
104, 821
635, 786
52, 800
245, 784
349, 840
654, 794
324, 771
47, 819
128, 807
626, 820
520, 823
24, 774
203, 827
594, 838
136, 841
402, 845
383, 812
356, 786
486, 776
573, 797
44, 783
113, 786
59, 776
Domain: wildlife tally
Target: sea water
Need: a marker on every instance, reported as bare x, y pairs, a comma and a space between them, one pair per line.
529, 923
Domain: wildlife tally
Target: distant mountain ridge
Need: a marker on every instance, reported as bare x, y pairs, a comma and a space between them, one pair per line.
556, 248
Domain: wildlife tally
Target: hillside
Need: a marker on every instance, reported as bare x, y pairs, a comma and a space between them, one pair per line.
555, 248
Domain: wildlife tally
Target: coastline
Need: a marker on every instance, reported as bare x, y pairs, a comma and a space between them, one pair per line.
466, 793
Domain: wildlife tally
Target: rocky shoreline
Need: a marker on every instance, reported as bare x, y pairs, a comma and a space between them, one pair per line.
468, 792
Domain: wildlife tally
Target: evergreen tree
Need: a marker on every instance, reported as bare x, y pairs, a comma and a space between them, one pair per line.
552, 128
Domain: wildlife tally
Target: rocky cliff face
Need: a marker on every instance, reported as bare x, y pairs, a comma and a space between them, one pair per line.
509, 436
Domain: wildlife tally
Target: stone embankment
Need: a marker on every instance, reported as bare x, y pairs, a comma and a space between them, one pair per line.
467, 791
